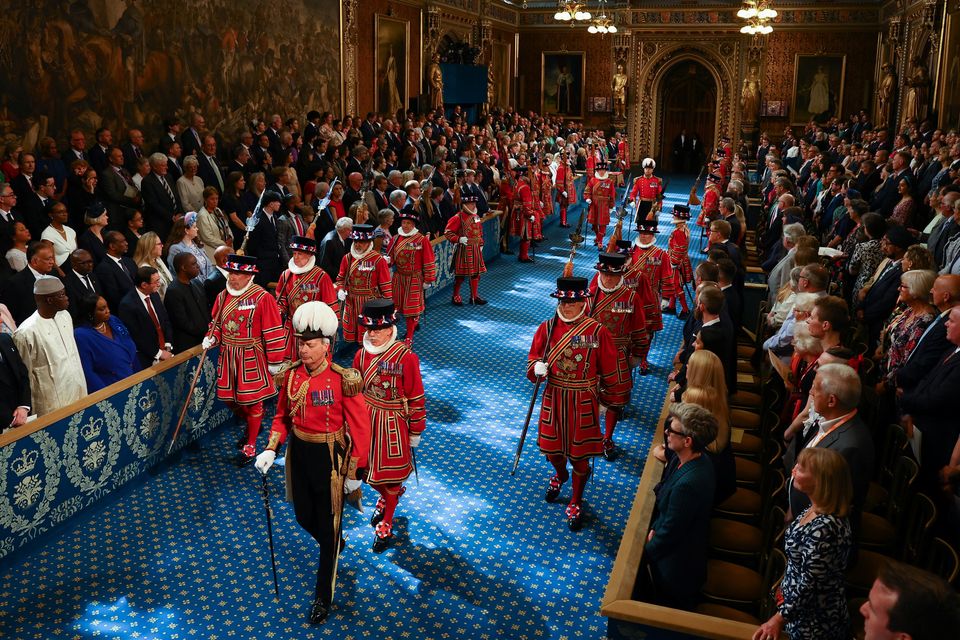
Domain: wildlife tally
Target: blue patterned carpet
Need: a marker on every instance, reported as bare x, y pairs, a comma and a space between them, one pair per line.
479, 554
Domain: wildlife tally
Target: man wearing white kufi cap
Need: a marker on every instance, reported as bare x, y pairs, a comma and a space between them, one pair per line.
46, 346
647, 191
322, 406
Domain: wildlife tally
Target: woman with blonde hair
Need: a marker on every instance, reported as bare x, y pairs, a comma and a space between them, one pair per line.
811, 602
149, 253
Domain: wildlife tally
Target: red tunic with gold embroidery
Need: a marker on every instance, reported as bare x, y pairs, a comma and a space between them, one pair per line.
467, 258
363, 279
621, 312
314, 407
415, 267
542, 196
583, 372
603, 194
393, 390
565, 183
248, 329
655, 262
295, 289
679, 246
710, 210
635, 279
524, 208
647, 188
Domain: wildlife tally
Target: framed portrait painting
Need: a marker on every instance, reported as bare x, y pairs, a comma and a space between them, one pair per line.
817, 87
501, 74
392, 64
561, 83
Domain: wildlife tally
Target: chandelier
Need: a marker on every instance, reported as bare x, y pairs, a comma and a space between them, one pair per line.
570, 11
602, 24
758, 14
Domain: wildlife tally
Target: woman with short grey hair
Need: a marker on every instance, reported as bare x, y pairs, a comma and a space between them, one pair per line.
190, 186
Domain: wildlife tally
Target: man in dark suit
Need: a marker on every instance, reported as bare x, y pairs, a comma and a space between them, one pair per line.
186, 304
174, 156
932, 406
933, 342
79, 280
273, 135
209, 167
34, 206
115, 272
160, 200
369, 128
334, 246
14, 386
192, 139
144, 315
98, 153
132, 150
171, 134
732, 296
263, 241
879, 300
77, 149
716, 333
326, 218
25, 183
18, 292
216, 282
117, 189
471, 187
681, 152
835, 395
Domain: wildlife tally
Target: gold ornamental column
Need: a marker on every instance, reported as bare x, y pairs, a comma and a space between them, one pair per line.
350, 56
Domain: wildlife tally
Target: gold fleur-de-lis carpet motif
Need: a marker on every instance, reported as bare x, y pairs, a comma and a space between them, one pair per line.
478, 554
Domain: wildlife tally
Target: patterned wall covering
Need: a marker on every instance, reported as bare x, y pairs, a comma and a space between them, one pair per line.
69, 466
780, 55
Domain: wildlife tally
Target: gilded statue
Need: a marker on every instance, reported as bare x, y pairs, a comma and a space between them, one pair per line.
491, 88
888, 84
435, 75
918, 86
620, 93
750, 97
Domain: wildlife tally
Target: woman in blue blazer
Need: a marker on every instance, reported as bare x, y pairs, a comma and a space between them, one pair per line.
106, 348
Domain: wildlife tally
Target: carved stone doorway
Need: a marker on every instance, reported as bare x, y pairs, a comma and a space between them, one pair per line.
688, 103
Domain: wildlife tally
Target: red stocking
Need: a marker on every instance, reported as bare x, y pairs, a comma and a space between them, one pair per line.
391, 496
411, 326
559, 462
474, 285
524, 249
254, 415
610, 422
457, 282
581, 471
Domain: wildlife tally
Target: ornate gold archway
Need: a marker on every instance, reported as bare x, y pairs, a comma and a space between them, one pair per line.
654, 58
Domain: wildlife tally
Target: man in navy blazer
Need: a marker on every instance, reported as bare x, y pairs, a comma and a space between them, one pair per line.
14, 386
879, 300
933, 342
116, 271
152, 333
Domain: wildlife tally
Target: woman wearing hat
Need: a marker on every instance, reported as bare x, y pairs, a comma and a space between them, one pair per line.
679, 247
620, 310
302, 281
412, 255
393, 390
184, 237
526, 215
364, 274
600, 195
246, 324
465, 231
578, 357
647, 191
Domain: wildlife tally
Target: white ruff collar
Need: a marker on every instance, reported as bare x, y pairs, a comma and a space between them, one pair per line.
240, 292
360, 256
614, 288
294, 269
372, 350
573, 319
407, 235
644, 246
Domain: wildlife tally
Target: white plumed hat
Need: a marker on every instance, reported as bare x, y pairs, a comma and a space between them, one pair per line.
315, 320
649, 162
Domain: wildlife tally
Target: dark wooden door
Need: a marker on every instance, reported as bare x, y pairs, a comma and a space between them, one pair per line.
689, 101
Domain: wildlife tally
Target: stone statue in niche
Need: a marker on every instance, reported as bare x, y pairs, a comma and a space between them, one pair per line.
750, 96
885, 90
917, 96
435, 74
620, 93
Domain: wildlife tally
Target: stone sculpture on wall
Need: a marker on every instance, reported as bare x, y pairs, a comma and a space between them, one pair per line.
620, 81
885, 94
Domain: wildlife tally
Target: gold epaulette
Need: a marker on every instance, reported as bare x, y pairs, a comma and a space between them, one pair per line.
352, 380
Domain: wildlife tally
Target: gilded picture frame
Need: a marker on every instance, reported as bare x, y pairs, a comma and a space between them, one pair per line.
392, 63
818, 82
562, 78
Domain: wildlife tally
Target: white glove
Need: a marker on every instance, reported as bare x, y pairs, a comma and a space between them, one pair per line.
604, 409
265, 461
387, 259
342, 295
539, 368
274, 369
414, 441
209, 342
564, 194
589, 201
533, 218
349, 486
463, 239
541, 204
663, 305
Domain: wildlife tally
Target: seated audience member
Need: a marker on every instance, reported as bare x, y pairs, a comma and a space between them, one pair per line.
811, 599
14, 386
149, 253
105, 346
907, 603
144, 315
879, 297
903, 331
835, 425
184, 237
46, 345
932, 407
93, 239
116, 271
931, 345
62, 237
676, 546
186, 304
18, 290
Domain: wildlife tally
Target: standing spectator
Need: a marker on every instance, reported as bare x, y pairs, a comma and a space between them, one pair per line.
117, 188
46, 344
61, 236
334, 246
676, 546
18, 291
213, 226
160, 203
811, 602
186, 304
18, 240
263, 241
232, 202
81, 192
190, 185
878, 298
183, 238
149, 253
143, 313
868, 254
116, 271
106, 349
907, 603
132, 231
902, 333
927, 352
92, 239
79, 280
